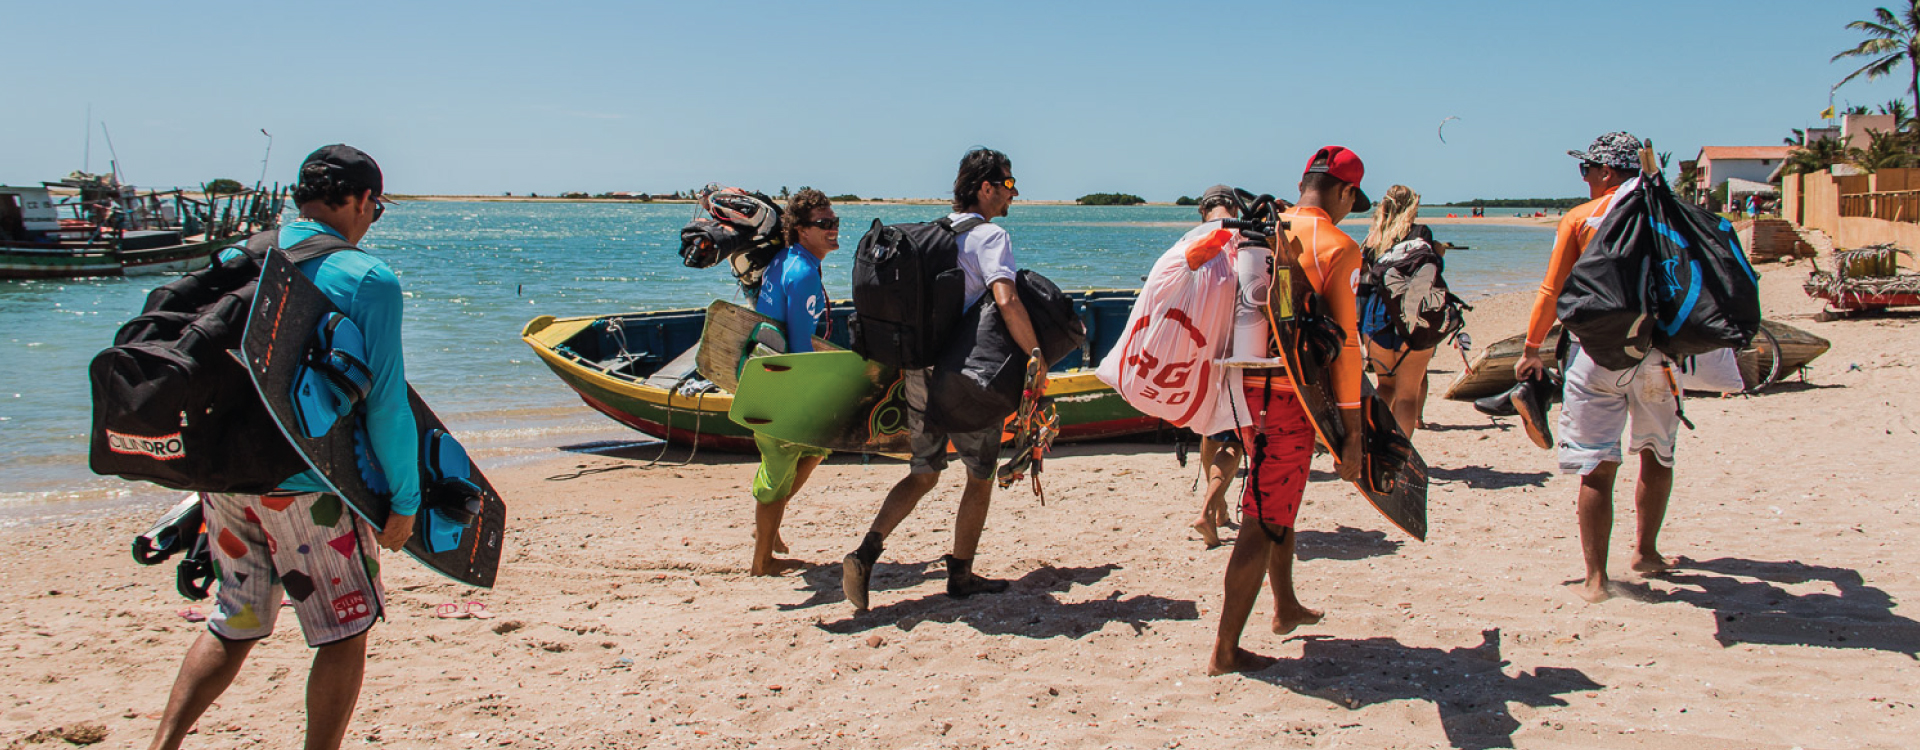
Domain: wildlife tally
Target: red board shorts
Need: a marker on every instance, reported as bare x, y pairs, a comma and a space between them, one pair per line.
1277, 473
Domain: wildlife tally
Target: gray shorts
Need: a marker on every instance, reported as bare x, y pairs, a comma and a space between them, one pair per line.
979, 449
1602, 403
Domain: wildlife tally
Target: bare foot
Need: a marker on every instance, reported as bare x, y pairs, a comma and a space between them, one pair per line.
1208, 533
1650, 564
1287, 621
779, 545
774, 566
1594, 590
1240, 660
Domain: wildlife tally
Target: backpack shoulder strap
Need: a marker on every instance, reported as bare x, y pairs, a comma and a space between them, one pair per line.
261, 243
317, 246
962, 226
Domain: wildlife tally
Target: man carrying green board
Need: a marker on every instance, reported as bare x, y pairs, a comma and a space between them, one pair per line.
298, 542
793, 294
983, 189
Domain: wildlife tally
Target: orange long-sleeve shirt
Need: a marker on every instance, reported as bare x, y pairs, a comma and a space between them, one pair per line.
1576, 229
1332, 263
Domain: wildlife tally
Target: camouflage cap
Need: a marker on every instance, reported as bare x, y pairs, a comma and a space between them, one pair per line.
1619, 150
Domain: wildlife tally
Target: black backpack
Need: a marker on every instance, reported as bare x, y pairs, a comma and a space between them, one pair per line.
1408, 281
908, 291
980, 377
1660, 274
172, 407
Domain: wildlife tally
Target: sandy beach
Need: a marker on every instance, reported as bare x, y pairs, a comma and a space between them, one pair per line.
625, 617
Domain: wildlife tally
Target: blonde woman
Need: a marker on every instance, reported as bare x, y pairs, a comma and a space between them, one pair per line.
1399, 369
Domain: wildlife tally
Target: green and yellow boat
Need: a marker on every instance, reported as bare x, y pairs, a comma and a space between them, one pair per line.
638, 368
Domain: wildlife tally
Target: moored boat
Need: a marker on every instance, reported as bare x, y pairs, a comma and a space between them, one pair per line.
638, 369
108, 229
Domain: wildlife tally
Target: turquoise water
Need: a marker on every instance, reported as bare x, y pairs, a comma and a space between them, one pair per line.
475, 273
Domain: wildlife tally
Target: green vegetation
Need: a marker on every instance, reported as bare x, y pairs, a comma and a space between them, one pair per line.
224, 186
1121, 199
1559, 203
1892, 41
847, 198
1186, 200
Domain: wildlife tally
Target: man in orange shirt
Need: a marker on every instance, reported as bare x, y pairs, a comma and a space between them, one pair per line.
1599, 402
1280, 439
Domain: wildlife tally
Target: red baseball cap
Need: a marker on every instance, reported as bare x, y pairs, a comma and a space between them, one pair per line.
1346, 167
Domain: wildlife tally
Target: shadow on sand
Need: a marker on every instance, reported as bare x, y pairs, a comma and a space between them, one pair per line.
1489, 478
1469, 686
1751, 604
1344, 543
1029, 608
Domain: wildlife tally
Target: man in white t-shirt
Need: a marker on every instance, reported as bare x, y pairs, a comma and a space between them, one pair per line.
983, 189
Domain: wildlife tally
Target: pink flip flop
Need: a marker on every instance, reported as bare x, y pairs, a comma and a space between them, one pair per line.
192, 614
449, 611
478, 611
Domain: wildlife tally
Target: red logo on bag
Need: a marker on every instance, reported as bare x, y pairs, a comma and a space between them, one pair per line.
350, 607
162, 448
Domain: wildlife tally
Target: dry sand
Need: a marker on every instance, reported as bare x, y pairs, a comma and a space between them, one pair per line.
626, 618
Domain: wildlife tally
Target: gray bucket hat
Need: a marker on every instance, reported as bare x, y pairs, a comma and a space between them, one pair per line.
1619, 150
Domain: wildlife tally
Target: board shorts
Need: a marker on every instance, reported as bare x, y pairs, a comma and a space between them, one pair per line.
1375, 326
979, 450
779, 465
1277, 472
1600, 404
310, 548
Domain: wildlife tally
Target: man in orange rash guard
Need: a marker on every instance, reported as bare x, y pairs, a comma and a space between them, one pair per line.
1599, 402
1280, 439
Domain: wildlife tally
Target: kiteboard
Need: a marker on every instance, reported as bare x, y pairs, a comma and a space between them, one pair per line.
462, 520
1394, 478
733, 334
830, 399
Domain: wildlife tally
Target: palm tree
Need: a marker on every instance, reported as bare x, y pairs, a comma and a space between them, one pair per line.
1884, 150
1892, 40
1818, 155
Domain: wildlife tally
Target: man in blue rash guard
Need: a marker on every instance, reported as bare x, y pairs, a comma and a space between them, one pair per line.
793, 294
297, 541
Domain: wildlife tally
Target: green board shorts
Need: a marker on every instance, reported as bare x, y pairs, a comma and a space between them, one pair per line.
779, 462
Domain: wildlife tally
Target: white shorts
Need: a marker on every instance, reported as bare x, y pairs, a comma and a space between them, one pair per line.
1601, 404
310, 548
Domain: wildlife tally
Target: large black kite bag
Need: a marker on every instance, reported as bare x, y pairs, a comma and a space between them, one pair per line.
1660, 274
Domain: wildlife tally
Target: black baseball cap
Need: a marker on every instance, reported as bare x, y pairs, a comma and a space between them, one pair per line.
348, 166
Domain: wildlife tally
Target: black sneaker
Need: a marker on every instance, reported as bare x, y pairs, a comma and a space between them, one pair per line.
1531, 400
1497, 405
962, 583
853, 581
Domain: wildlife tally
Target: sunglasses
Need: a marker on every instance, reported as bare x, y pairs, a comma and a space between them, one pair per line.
1005, 183
1587, 166
379, 209
830, 223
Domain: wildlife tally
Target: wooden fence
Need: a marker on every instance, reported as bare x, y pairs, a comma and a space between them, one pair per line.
1900, 205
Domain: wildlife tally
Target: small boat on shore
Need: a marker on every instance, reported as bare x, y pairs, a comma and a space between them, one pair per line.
638, 369
1780, 350
107, 229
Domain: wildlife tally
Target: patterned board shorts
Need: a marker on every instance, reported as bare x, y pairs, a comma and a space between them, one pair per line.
1600, 404
1277, 479
309, 547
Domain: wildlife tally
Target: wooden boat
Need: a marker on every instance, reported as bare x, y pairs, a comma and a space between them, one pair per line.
638, 369
112, 230
1780, 350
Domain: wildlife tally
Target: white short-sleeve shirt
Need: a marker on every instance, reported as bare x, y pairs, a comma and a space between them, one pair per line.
986, 256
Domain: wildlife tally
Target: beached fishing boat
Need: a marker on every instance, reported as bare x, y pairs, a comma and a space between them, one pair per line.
108, 229
1780, 350
1867, 278
638, 368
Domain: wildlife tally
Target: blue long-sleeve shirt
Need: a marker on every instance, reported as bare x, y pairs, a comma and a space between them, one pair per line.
794, 295
367, 291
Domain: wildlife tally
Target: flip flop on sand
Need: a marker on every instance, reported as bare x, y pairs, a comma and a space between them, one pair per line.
478, 611
449, 611
192, 614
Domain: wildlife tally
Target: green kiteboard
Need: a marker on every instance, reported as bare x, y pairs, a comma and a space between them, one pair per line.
834, 400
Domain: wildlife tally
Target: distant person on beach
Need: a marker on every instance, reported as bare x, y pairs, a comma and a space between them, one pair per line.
1281, 438
1600, 403
1219, 453
983, 189
1400, 370
285, 543
793, 294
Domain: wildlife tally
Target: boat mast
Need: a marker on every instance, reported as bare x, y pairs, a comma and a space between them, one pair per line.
86, 160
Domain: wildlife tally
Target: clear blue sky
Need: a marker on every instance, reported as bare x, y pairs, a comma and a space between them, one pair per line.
880, 99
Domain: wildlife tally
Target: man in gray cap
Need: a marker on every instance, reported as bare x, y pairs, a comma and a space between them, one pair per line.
1600, 403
